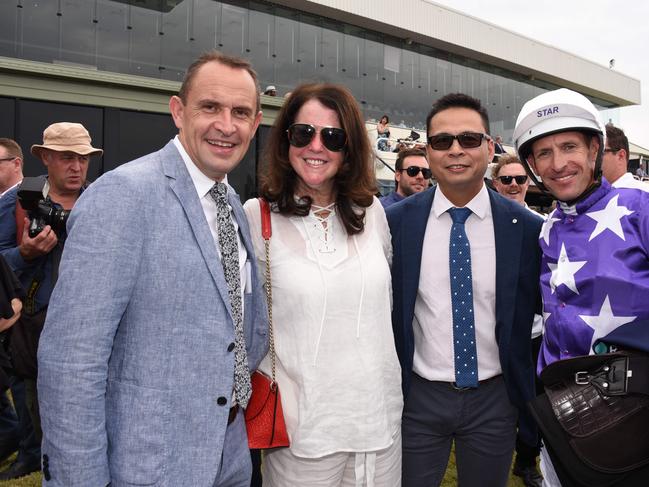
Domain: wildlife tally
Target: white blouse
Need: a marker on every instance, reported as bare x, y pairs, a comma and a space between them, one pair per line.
337, 366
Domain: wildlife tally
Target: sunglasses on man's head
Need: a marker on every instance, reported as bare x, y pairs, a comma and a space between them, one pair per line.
412, 171
468, 140
301, 134
507, 180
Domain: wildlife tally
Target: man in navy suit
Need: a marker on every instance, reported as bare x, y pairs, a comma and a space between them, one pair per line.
16, 429
11, 174
466, 361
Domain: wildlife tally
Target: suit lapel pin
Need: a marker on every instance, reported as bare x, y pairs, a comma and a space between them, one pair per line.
514, 220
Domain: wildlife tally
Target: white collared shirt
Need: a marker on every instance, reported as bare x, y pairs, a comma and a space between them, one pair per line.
433, 321
203, 184
9, 189
537, 324
628, 181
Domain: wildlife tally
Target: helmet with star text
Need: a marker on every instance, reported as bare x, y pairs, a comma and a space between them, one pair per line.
557, 111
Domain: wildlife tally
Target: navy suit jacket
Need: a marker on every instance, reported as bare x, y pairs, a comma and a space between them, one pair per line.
8, 219
518, 261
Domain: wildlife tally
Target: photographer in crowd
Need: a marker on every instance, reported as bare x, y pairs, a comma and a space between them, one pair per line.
40, 237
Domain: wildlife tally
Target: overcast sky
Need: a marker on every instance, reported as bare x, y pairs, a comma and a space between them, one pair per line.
597, 30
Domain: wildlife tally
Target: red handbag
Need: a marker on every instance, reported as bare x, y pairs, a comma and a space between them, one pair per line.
264, 414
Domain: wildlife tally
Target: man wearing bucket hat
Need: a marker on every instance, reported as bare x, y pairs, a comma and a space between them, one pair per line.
65, 152
594, 273
63, 144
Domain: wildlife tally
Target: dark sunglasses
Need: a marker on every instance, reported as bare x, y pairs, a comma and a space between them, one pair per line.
412, 171
301, 134
507, 180
468, 140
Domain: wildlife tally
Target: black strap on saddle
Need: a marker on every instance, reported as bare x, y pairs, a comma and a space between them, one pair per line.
594, 418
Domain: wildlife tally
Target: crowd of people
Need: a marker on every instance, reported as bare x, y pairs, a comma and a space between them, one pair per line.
133, 309
33, 235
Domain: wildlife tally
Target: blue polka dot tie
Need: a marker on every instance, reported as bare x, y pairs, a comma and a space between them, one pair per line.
466, 357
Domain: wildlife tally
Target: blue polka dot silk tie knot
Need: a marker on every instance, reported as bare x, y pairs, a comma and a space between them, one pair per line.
464, 347
229, 246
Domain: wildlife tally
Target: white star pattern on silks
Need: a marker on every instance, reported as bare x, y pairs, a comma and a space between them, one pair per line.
610, 217
545, 229
563, 272
606, 321
545, 320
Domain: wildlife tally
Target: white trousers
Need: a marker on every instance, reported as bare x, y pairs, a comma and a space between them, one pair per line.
381, 468
550, 478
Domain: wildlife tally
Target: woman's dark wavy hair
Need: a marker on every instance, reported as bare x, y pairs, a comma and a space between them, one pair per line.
355, 181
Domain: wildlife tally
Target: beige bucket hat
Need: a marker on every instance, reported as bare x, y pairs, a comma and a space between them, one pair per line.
66, 136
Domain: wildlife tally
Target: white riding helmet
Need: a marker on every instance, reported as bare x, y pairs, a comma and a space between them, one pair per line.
556, 111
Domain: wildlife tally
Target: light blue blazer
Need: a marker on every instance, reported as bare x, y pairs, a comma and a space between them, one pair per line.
133, 359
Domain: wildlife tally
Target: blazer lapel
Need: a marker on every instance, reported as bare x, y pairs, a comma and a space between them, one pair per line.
508, 232
412, 242
181, 184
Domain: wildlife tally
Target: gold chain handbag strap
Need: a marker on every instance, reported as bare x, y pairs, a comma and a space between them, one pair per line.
266, 232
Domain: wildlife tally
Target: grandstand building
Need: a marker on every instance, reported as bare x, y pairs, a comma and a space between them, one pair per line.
112, 64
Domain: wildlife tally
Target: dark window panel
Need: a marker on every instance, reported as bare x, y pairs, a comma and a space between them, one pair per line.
7, 120
160, 38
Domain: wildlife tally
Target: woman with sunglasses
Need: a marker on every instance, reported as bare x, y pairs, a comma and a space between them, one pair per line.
337, 367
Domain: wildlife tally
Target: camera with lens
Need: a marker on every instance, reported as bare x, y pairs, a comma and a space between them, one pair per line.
407, 142
41, 210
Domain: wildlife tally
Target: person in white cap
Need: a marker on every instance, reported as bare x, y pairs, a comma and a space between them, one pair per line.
270, 90
65, 152
594, 270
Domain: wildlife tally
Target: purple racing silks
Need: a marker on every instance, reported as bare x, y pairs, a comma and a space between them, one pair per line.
595, 272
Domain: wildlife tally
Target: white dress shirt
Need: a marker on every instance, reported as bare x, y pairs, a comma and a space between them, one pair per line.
628, 181
433, 321
9, 189
203, 184
537, 324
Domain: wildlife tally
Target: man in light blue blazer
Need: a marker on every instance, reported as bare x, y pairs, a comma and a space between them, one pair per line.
137, 358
